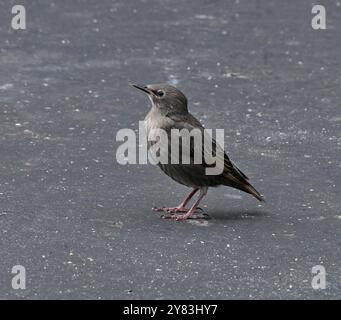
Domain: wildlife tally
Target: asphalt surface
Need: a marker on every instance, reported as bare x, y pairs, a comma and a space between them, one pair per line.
82, 225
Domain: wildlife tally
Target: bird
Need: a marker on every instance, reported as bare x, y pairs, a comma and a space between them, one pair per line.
169, 110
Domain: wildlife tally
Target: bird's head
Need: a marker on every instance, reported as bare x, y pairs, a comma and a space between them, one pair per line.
166, 98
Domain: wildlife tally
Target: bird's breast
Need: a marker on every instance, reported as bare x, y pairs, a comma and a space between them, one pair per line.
154, 121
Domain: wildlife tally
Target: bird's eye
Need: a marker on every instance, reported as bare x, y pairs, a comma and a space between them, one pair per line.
160, 93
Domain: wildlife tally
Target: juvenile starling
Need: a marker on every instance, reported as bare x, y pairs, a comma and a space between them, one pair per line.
169, 111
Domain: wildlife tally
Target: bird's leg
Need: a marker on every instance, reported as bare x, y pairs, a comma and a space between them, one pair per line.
182, 206
191, 211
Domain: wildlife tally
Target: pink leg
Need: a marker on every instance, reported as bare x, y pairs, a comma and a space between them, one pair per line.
182, 206
203, 193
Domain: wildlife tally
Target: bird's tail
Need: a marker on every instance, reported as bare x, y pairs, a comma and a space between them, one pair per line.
240, 181
250, 189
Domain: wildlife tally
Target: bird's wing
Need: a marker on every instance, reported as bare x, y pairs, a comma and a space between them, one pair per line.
231, 175
230, 171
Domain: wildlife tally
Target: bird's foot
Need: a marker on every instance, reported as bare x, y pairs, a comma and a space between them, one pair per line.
198, 213
171, 210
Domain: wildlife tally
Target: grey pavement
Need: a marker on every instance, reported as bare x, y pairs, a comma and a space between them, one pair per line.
82, 225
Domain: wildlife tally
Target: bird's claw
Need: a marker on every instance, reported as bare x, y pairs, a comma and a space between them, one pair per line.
170, 210
194, 216
173, 216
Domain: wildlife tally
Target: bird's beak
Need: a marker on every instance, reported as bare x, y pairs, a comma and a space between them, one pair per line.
143, 88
